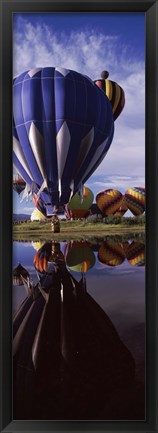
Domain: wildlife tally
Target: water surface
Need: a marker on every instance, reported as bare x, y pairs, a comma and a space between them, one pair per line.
110, 385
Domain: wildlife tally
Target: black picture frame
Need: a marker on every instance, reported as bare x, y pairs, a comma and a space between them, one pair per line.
150, 9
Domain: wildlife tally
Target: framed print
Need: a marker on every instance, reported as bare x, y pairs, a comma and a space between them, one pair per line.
79, 104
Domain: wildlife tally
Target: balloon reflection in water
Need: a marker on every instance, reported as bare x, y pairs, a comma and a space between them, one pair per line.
68, 357
37, 245
136, 254
49, 252
79, 256
111, 253
114, 253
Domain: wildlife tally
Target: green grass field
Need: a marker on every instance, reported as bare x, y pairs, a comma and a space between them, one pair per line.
74, 230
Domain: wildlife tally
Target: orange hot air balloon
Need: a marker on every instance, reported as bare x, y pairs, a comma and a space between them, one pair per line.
109, 201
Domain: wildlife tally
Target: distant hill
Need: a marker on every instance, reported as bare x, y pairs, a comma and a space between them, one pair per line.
20, 217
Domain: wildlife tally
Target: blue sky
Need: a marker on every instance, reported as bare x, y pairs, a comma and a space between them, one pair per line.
90, 43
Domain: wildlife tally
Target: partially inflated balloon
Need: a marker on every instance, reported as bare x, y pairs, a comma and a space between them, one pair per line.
122, 209
37, 216
109, 201
136, 254
114, 92
111, 254
79, 257
79, 206
135, 200
62, 129
79, 213
84, 202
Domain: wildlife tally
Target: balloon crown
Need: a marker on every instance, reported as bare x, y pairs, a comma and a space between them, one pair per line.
104, 75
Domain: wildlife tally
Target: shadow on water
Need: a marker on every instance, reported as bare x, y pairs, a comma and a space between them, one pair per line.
69, 361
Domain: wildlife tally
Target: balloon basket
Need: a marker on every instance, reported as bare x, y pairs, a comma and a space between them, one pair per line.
55, 227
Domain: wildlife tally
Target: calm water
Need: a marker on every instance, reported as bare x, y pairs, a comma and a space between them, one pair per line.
79, 342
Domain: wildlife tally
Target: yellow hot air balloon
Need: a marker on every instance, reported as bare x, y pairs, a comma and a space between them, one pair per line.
37, 216
114, 92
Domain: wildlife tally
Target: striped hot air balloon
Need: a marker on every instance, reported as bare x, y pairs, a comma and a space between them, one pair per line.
111, 253
122, 209
135, 200
38, 202
114, 92
62, 129
109, 201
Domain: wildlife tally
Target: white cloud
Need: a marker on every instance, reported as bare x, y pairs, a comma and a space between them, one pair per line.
126, 154
86, 51
119, 182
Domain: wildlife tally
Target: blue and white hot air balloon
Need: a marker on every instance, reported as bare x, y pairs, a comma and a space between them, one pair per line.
63, 126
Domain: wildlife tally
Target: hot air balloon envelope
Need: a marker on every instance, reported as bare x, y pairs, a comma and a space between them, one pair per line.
135, 200
115, 93
62, 128
109, 201
79, 206
18, 184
